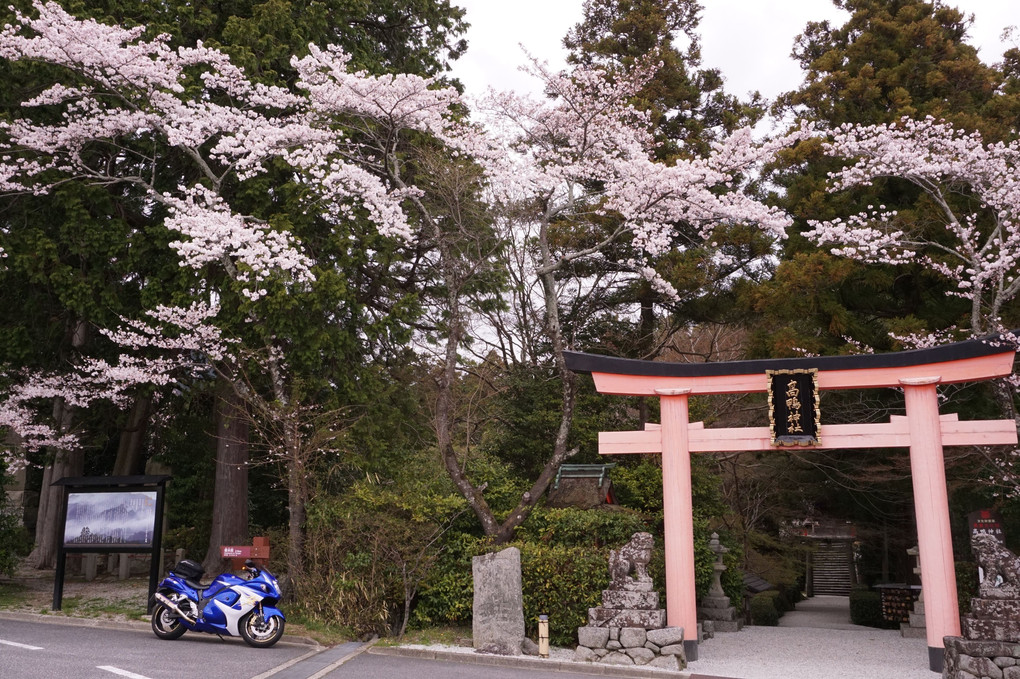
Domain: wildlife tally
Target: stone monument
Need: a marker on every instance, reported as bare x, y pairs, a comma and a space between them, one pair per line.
990, 646
629, 628
915, 628
715, 608
498, 612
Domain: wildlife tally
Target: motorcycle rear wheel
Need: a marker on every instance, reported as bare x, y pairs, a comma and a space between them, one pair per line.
260, 632
166, 624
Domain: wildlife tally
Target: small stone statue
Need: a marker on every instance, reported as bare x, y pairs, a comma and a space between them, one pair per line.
1001, 568
633, 557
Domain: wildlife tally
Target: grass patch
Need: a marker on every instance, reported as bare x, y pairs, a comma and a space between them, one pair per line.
80, 607
12, 594
449, 636
324, 633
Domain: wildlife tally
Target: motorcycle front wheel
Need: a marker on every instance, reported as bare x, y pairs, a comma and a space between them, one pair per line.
166, 624
259, 631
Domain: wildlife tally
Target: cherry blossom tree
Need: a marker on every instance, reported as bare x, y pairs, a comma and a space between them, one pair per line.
180, 129
968, 229
362, 148
565, 164
974, 199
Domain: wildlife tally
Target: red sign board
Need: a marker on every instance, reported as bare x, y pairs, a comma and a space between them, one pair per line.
258, 551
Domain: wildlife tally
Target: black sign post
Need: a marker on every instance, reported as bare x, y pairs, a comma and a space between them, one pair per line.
794, 414
109, 514
986, 521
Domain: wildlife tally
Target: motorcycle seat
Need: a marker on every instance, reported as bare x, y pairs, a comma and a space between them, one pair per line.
195, 585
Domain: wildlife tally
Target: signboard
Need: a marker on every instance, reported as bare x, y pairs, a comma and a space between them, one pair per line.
794, 415
102, 519
109, 514
986, 521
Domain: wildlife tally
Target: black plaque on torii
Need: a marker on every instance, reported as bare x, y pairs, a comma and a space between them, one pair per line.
110, 514
794, 413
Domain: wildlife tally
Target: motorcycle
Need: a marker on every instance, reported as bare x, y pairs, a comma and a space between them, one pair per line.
230, 604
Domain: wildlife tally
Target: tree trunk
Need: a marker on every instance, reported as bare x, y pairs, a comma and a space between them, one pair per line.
66, 463
230, 495
297, 496
129, 449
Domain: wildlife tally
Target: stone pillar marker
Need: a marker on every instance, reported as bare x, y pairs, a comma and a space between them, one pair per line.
498, 610
715, 610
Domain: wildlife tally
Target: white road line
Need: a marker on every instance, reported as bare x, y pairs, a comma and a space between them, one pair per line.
14, 643
123, 673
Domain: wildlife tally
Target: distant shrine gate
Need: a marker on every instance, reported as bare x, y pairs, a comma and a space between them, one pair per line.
795, 422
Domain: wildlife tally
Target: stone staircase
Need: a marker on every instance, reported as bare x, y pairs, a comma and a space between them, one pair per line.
831, 568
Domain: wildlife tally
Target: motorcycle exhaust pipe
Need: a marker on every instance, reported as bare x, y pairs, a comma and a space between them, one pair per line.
173, 607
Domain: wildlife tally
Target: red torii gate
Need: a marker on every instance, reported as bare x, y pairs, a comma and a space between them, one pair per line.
922, 430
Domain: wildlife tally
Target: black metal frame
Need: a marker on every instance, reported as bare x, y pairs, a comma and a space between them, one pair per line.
110, 484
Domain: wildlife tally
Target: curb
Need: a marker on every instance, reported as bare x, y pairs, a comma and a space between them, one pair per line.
135, 625
526, 662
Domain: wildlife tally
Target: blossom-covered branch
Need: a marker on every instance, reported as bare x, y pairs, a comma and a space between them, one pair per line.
974, 189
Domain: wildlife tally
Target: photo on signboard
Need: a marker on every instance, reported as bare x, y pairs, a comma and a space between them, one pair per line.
110, 519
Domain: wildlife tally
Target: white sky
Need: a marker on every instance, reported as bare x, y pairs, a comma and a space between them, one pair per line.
748, 40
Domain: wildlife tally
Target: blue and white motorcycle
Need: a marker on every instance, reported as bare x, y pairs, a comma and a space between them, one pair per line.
230, 604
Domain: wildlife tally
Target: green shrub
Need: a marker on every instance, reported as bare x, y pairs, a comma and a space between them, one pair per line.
559, 581
15, 540
866, 608
763, 609
572, 527
788, 596
563, 583
446, 596
966, 584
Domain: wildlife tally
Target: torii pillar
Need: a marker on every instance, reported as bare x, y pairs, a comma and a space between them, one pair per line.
678, 514
918, 373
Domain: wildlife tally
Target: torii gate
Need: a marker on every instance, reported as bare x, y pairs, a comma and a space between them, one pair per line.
922, 430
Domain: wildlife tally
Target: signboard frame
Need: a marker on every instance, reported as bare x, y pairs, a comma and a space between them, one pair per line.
112, 489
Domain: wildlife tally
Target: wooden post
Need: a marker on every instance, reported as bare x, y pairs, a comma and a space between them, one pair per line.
677, 509
931, 504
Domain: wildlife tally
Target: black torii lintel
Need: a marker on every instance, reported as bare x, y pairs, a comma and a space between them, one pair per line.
597, 363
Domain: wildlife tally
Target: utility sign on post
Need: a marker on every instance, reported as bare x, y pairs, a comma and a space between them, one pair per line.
794, 415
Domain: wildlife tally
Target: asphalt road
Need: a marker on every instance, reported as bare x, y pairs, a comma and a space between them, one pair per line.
34, 650
78, 649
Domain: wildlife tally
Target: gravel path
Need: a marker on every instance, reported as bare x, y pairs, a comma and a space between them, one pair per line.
807, 653
815, 641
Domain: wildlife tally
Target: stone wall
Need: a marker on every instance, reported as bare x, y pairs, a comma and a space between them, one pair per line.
662, 647
968, 659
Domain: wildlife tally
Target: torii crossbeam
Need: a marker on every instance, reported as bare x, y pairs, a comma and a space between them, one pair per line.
918, 373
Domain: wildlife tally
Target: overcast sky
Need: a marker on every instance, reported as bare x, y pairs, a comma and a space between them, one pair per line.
748, 40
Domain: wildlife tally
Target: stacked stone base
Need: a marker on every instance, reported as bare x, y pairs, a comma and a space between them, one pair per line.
722, 615
916, 628
967, 659
662, 647
993, 619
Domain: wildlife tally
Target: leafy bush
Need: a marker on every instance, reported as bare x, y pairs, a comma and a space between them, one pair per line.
966, 584
560, 581
763, 609
866, 608
563, 583
369, 550
571, 527
15, 540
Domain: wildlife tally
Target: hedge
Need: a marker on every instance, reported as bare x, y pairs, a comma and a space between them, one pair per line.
763, 609
866, 608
